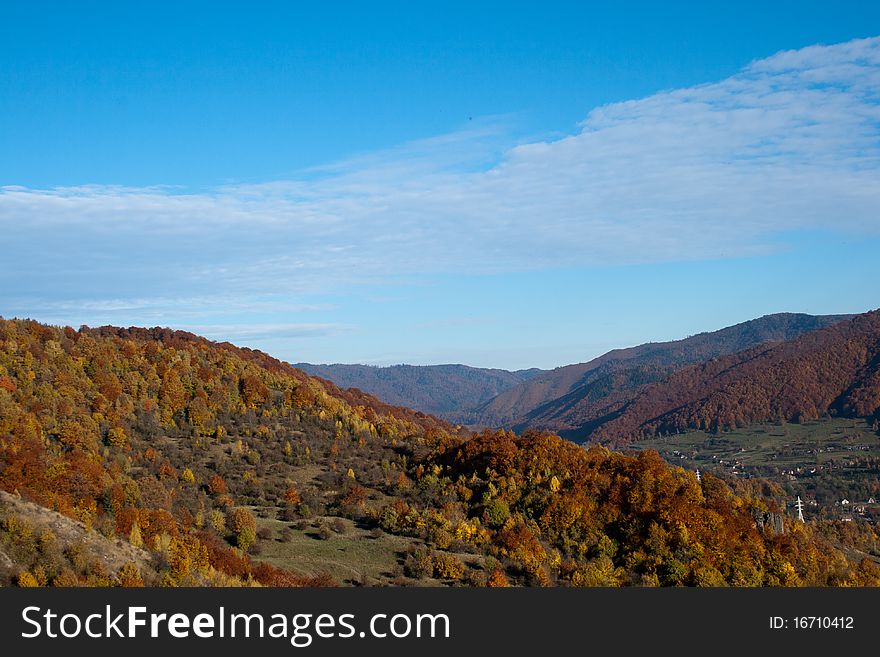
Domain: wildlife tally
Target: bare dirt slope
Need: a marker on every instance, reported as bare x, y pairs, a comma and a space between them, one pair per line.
112, 553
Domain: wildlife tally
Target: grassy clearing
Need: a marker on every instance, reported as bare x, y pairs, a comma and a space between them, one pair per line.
351, 557
355, 556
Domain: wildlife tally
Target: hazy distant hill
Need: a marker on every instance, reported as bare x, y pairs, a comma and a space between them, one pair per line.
570, 399
833, 371
448, 391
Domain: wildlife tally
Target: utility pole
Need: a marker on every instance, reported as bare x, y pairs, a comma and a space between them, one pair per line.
800, 508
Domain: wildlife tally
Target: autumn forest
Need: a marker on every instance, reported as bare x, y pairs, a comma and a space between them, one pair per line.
149, 457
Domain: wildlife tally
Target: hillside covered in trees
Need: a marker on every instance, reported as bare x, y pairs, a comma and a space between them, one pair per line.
833, 371
185, 461
570, 400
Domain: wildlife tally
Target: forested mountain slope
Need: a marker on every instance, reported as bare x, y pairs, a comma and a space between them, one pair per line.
833, 371
570, 399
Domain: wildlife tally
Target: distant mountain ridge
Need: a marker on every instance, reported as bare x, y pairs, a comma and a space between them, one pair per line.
571, 400
447, 391
832, 371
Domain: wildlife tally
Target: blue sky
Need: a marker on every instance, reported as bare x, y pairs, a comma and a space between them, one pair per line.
498, 184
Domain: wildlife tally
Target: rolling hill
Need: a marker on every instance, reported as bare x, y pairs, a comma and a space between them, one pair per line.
173, 443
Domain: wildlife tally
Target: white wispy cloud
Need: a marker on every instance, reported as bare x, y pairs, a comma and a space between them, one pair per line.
248, 333
791, 143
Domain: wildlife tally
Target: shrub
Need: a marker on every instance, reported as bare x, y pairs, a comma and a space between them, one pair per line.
475, 578
26, 580
116, 437
243, 525
419, 563
135, 537
497, 579
130, 576
217, 485
439, 537
65, 579
292, 496
290, 513
496, 512
218, 521
448, 566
